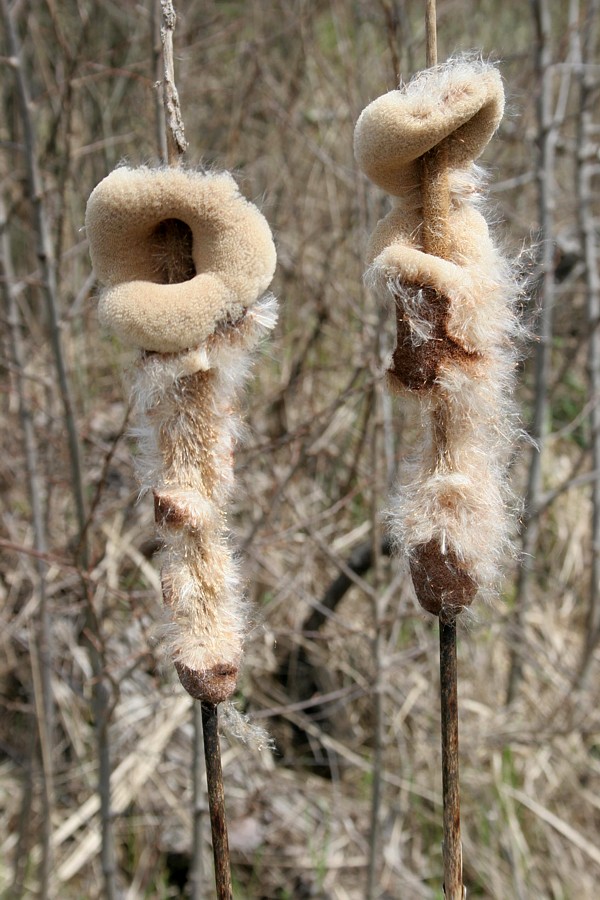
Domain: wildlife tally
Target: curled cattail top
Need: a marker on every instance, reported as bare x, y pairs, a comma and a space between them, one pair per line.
178, 252
459, 104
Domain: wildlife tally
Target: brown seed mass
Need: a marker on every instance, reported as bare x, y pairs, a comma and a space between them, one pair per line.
442, 581
416, 367
213, 686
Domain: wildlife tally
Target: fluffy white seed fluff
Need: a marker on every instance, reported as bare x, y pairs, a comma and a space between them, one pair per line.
185, 408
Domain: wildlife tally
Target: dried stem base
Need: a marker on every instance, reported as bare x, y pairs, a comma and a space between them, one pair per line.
453, 884
216, 801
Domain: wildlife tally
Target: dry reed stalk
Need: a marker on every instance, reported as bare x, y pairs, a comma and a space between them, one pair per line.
453, 296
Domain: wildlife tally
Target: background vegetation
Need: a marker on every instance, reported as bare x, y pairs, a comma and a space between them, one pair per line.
342, 665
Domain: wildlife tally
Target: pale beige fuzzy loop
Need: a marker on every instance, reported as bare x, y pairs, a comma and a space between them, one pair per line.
459, 103
232, 252
456, 327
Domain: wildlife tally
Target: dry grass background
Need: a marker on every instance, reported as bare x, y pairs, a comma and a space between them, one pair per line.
272, 90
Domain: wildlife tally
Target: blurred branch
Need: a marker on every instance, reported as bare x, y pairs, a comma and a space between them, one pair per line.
589, 85
547, 126
43, 638
50, 293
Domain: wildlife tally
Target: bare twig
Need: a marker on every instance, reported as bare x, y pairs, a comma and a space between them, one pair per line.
216, 800
176, 141
431, 53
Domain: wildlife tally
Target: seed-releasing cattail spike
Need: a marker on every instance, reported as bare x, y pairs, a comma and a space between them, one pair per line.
453, 295
184, 259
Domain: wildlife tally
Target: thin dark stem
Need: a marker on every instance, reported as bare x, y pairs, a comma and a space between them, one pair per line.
216, 800
453, 885
378, 693
199, 812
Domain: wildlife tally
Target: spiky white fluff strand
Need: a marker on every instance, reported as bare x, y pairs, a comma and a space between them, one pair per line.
185, 408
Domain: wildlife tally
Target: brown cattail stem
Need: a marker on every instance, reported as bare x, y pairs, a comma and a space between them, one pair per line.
436, 241
452, 848
216, 800
209, 724
455, 319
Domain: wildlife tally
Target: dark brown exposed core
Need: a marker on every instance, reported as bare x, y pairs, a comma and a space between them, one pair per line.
442, 581
213, 685
171, 246
416, 367
167, 512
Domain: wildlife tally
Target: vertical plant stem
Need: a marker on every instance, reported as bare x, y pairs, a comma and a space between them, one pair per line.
586, 160
206, 727
197, 874
546, 195
157, 75
431, 54
452, 850
216, 800
43, 637
436, 240
377, 646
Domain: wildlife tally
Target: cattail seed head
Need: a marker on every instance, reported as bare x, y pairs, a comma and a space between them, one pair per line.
454, 320
184, 258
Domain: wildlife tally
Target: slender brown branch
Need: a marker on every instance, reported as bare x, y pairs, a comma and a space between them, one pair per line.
452, 849
431, 33
216, 800
176, 140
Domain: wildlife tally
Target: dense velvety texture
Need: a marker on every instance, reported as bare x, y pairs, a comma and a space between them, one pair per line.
177, 252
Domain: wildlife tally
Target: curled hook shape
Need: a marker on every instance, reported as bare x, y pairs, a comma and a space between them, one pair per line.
222, 255
459, 105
